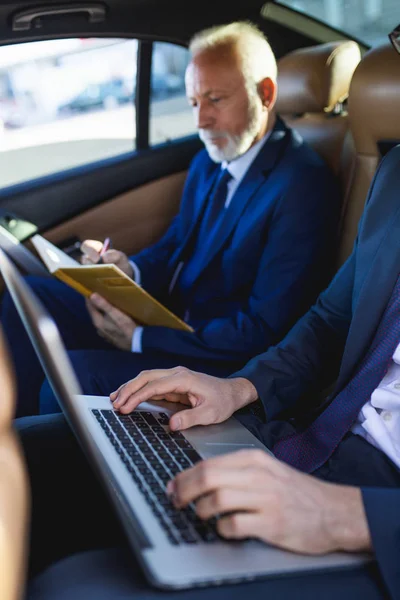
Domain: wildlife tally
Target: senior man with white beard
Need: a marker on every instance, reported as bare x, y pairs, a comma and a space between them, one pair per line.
245, 256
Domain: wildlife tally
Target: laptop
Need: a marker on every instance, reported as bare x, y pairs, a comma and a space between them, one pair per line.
135, 456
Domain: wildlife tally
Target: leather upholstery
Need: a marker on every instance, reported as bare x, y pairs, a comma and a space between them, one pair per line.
314, 80
374, 116
374, 102
14, 501
134, 220
326, 135
312, 83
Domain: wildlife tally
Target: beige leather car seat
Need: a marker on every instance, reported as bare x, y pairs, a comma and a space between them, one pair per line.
313, 84
14, 498
374, 118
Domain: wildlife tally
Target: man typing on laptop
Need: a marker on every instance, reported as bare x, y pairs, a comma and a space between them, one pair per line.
340, 486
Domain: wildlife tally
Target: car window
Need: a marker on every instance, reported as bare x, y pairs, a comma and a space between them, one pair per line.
170, 114
64, 104
368, 20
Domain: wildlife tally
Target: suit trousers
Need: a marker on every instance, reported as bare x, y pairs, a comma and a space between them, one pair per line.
114, 574
99, 366
74, 528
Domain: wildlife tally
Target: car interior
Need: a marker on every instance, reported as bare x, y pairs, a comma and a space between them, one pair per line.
69, 182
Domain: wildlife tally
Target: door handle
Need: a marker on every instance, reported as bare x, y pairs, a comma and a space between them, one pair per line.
20, 229
14, 231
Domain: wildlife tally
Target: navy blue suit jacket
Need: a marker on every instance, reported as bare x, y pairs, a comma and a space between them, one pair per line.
331, 339
267, 264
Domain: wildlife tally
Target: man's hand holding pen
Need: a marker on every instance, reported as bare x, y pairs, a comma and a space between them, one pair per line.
95, 251
111, 324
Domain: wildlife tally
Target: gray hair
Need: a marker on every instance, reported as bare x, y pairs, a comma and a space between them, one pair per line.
258, 60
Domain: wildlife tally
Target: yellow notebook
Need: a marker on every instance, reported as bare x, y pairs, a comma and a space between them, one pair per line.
111, 283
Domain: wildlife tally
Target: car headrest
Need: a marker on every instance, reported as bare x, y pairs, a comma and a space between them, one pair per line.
315, 79
374, 100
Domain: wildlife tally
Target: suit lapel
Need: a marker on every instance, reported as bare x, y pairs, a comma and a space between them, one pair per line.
374, 295
199, 200
256, 175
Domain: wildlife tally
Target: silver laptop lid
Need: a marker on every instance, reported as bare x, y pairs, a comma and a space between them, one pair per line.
50, 349
42, 332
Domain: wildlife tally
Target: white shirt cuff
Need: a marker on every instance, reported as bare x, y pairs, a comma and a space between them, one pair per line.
137, 276
137, 340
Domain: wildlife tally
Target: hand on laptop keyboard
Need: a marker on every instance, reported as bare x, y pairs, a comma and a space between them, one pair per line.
153, 456
212, 400
257, 496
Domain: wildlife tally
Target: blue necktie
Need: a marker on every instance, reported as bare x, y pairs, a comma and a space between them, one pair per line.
212, 217
215, 208
311, 448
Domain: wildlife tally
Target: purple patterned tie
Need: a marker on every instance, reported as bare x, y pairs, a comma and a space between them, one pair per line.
311, 448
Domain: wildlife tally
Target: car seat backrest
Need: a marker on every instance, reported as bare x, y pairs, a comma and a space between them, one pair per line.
374, 119
313, 84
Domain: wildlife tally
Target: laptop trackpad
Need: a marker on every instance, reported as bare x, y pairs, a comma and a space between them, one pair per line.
214, 440
210, 450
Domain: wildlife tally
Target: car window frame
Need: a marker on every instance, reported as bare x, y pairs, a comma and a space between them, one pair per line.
142, 102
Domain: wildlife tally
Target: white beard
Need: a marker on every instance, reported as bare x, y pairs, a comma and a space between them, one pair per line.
236, 144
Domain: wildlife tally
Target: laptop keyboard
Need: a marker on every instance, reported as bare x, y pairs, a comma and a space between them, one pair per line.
153, 456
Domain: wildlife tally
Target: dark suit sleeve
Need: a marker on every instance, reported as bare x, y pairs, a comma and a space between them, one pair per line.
295, 256
382, 507
309, 356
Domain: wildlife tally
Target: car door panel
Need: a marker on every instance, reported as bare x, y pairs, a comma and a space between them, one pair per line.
132, 220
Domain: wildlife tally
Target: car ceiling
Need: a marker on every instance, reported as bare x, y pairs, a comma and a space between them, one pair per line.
175, 20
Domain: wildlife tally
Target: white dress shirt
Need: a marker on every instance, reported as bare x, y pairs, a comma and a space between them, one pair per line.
238, 169
379, 419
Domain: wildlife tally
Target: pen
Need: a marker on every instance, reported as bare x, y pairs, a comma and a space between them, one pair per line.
106, 246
